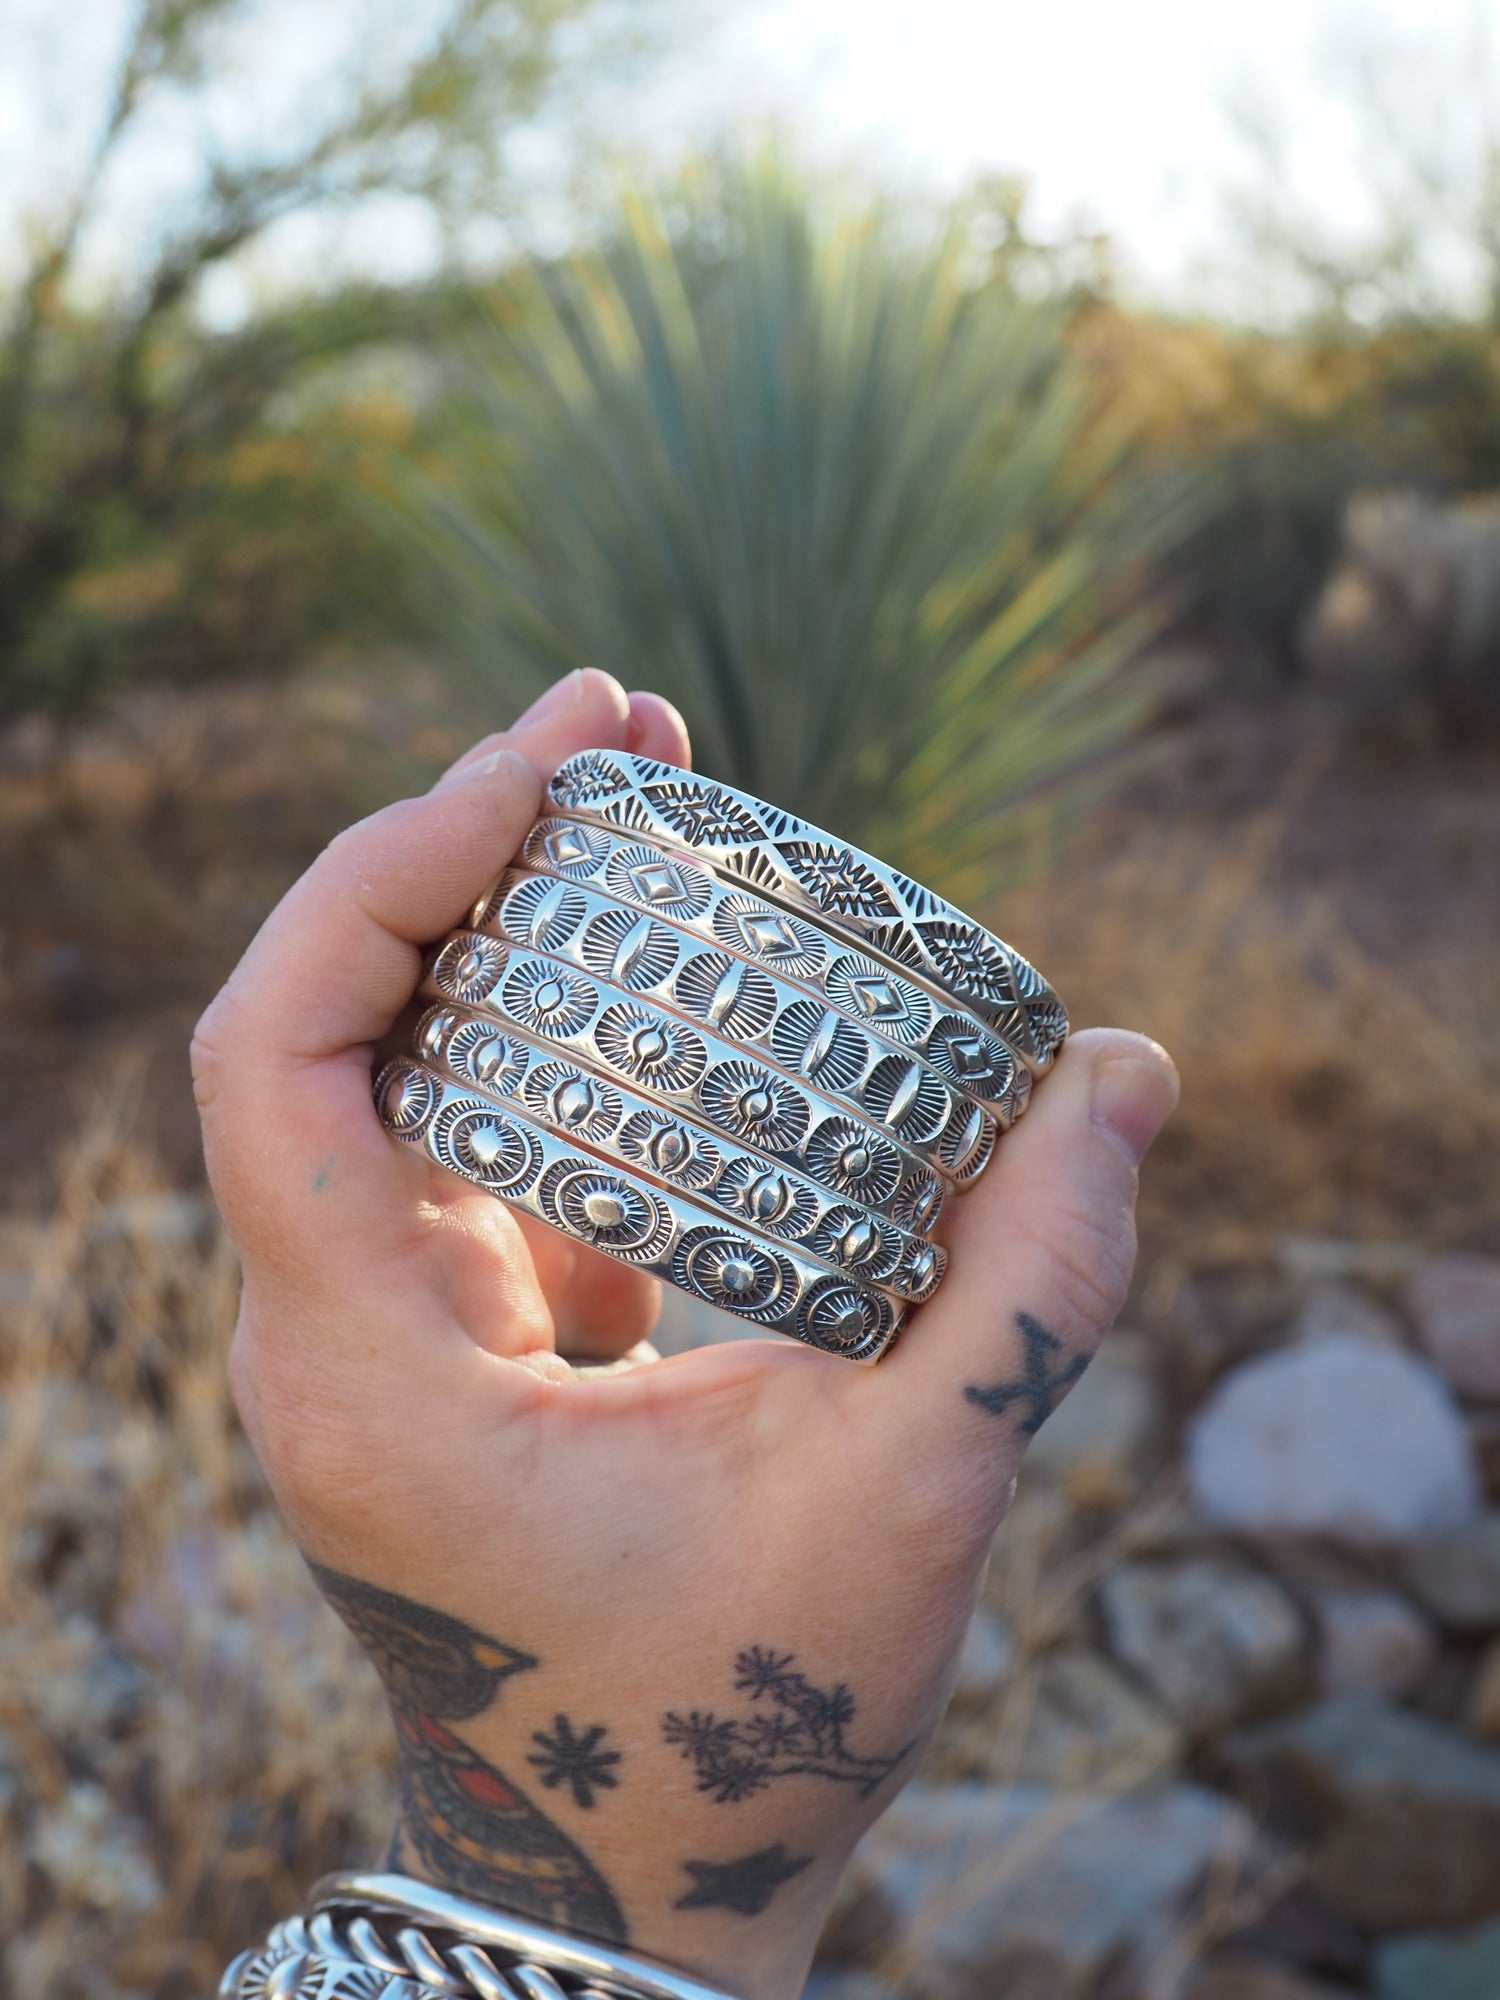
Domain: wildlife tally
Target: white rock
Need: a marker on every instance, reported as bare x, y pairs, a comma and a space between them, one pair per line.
1331, 1308
1371, 1642
1214, 1642
1345, 1437
1030, 1892
985, 1663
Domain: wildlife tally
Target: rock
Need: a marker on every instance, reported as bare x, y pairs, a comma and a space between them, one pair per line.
1214, 1642
1455, 1303
1238, 1978
1312, 1260
1018, 1891
1103, 1443
1400, 1815
1484, 1436
165, 1219
1457, 1577
862, 1923
1079, 1726
1333, 1308
1440, 1968
985, 1663
1371, 1642
843, 1982
1346, 1437
1089, 1728
1484, 1699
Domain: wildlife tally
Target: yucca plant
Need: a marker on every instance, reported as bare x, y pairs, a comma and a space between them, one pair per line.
813, 475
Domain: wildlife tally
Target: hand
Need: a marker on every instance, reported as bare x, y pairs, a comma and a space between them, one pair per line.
660, 1641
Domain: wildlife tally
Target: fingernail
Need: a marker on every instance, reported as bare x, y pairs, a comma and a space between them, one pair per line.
1131, 1098
562, 694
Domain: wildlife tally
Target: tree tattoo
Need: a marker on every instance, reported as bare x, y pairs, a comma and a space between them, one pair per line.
466, 1823
1043, 1383
745, 1886
566, 1758
797, 1730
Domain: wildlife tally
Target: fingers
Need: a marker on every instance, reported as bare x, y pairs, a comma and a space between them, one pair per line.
1040, 1257
595, 703
303, 1171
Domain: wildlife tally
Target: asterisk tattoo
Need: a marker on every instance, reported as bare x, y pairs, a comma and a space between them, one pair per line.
577, 1761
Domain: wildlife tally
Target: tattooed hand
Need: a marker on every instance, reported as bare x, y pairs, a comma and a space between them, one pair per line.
660, 1641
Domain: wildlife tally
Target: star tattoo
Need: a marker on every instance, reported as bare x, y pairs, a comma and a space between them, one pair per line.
573, 1760
745, 1886
1043, 1383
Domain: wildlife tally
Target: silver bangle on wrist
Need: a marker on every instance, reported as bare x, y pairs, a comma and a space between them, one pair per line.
390, 1937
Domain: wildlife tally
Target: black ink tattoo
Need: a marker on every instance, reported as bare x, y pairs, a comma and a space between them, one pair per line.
465, 1822
746, 1885
1043, 1383
799, 1734
574, 1760
425, 1658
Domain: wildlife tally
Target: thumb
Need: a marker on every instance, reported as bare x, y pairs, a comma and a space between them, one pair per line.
1040, 1257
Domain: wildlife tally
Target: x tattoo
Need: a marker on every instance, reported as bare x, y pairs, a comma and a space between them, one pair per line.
1043, 1383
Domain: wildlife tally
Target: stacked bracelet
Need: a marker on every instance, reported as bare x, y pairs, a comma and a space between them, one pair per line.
388, 1937
705, 1038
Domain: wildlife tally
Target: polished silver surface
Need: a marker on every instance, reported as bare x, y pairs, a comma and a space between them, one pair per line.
691, 1054
750, 1189
622, 909
387, 1937
660, 1230
781, 858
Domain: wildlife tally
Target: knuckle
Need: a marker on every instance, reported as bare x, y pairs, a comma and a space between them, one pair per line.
1090, 1255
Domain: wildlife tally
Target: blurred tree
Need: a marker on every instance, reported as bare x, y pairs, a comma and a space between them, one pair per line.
817, 477
1396, 217
150, 487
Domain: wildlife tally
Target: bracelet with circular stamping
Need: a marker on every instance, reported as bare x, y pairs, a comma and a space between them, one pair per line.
570, 872
742, 1088
782, 858
659, 1230
750, 1189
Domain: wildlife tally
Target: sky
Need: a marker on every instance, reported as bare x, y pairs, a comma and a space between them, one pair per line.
1118, 114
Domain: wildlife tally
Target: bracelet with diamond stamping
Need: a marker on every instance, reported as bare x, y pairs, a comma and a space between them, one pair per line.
760, 847
739, 1084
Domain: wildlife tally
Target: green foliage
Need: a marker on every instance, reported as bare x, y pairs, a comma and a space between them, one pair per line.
1288, 429
814, 477
172, 501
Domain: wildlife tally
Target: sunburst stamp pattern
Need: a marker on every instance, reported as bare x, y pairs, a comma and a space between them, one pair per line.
737, 1268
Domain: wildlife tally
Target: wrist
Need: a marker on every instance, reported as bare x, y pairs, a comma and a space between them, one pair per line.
696, 1919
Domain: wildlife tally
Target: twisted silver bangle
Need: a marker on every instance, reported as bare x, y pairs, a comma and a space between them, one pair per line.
388, 1937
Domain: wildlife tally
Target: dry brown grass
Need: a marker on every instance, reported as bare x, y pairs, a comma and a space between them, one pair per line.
1328, 1089
186, 1737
